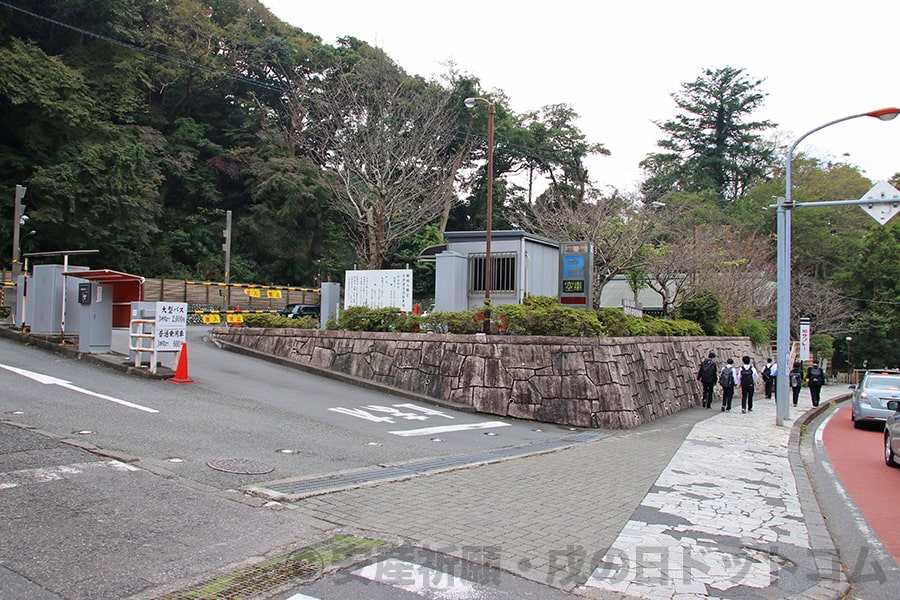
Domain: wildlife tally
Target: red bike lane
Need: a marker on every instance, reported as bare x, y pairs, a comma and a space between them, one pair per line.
858, 459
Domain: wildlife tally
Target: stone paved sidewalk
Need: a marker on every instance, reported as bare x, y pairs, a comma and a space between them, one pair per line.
703, 504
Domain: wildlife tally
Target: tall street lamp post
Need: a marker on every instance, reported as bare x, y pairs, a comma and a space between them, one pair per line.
470, 103
784, 206
849, 339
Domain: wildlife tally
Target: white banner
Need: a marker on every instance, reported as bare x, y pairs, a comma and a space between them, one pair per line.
804, 339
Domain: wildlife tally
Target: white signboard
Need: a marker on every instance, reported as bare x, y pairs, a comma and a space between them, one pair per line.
171, 325
389, 288
804, 339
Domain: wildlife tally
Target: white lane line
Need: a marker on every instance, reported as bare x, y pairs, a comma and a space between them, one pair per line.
424, 581
57, 473
449, 428
302, 597
50, 380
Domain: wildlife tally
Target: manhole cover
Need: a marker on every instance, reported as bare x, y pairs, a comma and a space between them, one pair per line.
241, 466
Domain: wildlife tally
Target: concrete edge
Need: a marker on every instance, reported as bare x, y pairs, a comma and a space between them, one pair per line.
833, 583
342, 377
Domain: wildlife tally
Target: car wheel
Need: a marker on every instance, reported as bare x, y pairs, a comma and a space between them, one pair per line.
889, 458
857, 424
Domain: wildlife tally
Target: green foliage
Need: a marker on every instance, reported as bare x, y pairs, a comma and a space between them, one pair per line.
821, 345
754, 329
545, 316
704, 309
452, 322
711, 143
361, 318
278, 321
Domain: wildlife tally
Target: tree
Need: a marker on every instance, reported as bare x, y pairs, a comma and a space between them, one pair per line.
618, 229
709, 144
386, 141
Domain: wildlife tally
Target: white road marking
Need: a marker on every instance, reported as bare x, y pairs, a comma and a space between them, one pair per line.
46, 474
50, 380
424, 581
449, 428
301, 597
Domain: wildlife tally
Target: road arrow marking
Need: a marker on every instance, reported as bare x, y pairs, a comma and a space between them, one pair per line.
50, 380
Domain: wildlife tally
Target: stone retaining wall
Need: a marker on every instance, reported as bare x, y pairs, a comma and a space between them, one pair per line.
583, 382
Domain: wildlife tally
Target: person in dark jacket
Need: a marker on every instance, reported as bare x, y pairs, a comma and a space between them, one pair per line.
815, 377
795, 380
707, 375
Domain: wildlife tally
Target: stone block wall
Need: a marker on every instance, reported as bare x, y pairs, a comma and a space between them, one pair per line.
582, 382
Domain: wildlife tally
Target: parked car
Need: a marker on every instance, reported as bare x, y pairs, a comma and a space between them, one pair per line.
871, 396
300, 310
892, 435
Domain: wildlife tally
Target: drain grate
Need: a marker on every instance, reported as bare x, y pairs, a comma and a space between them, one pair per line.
304, 565
240, 466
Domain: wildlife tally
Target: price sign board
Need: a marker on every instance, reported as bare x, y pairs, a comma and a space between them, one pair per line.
171, 326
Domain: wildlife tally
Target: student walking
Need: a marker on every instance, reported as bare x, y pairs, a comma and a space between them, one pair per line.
769, 372
706, 375
727, 379
815, 377
795, 379
747, 378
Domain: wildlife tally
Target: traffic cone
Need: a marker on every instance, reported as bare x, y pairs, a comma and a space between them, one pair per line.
181, 373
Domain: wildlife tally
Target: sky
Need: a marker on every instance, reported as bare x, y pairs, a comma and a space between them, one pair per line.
617, 63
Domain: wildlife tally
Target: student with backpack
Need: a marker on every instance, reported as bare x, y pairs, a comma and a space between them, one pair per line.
706, 375
727, 378
769, 372
815, 376
795, 379
747, 378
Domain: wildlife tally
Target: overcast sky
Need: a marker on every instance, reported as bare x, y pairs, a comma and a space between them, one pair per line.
617, 63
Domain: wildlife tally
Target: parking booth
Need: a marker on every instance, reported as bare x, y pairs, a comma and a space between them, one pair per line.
104, 300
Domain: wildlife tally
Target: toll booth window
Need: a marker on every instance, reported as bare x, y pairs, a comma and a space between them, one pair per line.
503, 273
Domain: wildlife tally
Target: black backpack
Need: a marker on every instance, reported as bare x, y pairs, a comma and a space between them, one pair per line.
767, 373
816, 377
747, 376
795, 379
708, 371
726, 378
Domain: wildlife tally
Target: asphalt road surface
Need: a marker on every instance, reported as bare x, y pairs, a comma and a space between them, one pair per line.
858, 495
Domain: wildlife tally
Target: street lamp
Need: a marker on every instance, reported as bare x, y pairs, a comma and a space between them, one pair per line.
470, 103
849, 339
784, 207
19, 218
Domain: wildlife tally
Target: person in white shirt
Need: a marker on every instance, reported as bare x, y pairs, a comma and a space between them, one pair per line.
769, 372
728, 379
747, 378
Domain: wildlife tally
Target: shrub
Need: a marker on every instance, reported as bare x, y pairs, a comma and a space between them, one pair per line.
705, 309
542, 315
272, 320
755, 330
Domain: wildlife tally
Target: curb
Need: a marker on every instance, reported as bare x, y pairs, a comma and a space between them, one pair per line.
833, 584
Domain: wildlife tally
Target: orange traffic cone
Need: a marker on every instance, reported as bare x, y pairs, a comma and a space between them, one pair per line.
181, 373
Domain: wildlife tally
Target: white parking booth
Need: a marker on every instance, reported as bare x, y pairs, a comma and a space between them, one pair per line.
156, 327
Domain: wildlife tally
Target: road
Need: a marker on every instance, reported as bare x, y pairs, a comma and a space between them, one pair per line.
113, 486
858, 494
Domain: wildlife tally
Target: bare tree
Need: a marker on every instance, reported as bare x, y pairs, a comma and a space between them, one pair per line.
829, 311
390, 149
619, 230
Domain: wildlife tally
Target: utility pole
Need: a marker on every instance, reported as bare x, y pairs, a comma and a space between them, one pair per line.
227, 248
19, 219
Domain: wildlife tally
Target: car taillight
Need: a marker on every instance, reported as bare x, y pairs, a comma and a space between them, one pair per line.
864, 397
